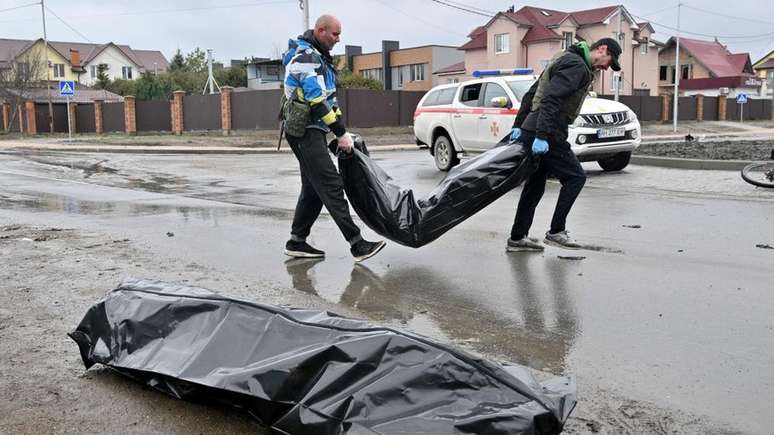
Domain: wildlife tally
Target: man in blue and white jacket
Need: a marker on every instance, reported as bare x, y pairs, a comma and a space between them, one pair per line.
310, 78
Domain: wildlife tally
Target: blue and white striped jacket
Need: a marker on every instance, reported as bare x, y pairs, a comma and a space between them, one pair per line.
311, 77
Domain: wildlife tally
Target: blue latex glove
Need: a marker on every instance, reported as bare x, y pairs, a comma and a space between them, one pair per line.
515, 134
539, 146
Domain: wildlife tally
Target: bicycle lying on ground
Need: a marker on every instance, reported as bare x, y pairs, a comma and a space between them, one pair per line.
760, 173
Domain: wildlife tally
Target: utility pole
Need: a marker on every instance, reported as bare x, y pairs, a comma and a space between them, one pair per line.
678, 71
48, 73
304, 5
211, 83
622, 42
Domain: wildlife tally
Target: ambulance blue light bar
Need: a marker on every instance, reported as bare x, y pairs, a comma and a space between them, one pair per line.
503, 72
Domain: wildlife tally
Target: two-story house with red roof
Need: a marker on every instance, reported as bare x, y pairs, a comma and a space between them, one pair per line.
530, 36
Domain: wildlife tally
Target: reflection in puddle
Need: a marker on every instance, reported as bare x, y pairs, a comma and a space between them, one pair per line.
538, 331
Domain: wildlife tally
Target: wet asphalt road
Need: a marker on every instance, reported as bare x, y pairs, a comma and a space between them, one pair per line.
673, 307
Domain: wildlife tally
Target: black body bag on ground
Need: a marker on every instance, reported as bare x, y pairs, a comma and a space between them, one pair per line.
394, 213
308, 372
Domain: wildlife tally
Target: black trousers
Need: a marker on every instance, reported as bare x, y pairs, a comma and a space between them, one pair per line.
321, 185
562, 163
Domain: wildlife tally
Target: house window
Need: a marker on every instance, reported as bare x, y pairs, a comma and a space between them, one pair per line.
23, 70
456, 80
93, 71
58, 70
662, 73
502, 43
644, 45
418, 72
685, 72
771, 74
567, 38
400, 76
373, 73
126, 72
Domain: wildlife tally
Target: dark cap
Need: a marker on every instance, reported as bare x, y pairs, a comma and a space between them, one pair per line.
614, 49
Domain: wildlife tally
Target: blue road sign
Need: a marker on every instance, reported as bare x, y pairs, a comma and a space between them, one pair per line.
66, 88
741, 98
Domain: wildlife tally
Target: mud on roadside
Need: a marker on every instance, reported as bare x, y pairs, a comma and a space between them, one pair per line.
710, 149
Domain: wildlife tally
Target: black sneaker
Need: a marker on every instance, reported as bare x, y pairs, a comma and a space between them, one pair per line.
364, 249
302, 250
525, 244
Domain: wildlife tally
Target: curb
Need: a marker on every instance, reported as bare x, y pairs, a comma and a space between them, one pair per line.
677, 163
174, 150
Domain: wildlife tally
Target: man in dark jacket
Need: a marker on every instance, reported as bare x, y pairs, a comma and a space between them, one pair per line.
310, 83
547, 109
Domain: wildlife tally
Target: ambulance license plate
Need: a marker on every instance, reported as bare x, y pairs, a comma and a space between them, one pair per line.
604, 133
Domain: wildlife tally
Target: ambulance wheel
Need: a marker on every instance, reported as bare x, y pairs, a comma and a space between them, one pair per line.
615, 162
444, 153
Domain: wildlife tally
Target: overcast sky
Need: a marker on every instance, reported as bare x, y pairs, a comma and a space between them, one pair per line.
240, 28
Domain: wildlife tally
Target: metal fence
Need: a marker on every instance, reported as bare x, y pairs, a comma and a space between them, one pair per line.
201, 112
710, 108
255, 109
84, 119
754, 109
113, 117
362, 108
153, 115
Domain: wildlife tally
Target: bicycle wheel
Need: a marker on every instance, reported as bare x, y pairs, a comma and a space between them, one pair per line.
759, 174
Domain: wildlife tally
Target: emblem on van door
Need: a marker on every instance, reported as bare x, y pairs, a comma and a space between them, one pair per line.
495, 129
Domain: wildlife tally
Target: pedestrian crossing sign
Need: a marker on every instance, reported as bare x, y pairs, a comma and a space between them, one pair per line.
66, 88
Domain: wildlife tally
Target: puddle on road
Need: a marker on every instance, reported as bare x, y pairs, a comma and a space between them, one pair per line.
59, 203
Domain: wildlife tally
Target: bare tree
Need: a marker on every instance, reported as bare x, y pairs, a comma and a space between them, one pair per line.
18, 80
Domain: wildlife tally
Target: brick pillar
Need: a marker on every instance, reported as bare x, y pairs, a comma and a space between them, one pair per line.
20, 109
665, 100
6, 116
29, 107
722, 108
98, 122
72, 111
700, 107
130, 115
225, 109
177, 112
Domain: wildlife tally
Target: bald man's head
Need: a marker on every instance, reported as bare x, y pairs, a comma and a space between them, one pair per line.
327, 29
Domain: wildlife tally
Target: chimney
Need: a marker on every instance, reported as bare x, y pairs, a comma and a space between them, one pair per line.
75, 58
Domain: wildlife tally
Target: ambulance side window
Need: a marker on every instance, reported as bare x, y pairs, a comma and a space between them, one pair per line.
446, 96
470, 95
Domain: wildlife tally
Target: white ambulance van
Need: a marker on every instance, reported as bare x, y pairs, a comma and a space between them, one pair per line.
472, 116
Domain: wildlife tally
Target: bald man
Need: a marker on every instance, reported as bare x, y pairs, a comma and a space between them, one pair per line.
310, 79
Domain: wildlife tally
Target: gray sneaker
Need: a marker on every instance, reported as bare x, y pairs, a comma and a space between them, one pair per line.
524, 244
561, 239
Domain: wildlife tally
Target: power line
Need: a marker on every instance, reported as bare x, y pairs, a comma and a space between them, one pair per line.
753, 20
465, 9
748, 37
385, 4
649, 14
165, 11
69, 26
467, 6
19, 7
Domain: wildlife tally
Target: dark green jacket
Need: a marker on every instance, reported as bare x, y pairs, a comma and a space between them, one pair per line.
555, 99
